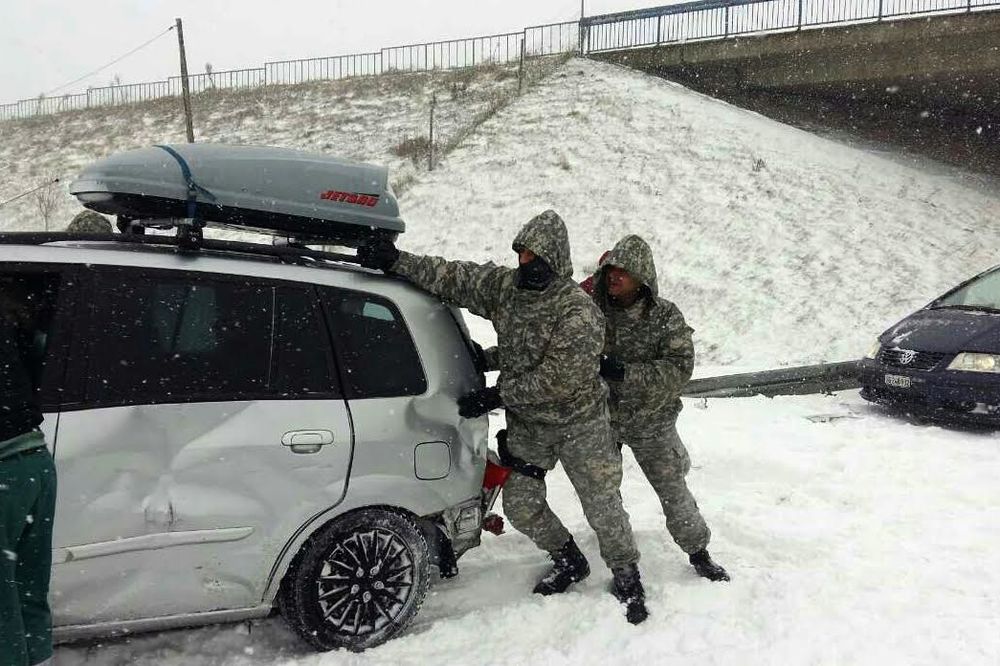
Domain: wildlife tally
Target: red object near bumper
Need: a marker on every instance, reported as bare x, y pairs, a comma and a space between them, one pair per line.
495, 476
493, 524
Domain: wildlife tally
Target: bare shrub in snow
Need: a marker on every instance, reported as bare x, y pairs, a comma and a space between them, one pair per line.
46, 199
416, 148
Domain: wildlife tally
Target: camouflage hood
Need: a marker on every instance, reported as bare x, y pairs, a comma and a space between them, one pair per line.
546, 236
632, 254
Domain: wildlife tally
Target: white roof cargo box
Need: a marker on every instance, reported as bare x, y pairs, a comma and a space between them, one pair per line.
310, 197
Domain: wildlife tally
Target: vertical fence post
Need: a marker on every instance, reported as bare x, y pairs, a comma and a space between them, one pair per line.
520, 69
880, 3
799, 23
727, 22
430, 155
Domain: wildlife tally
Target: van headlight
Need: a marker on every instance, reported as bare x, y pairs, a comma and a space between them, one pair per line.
873, 352
973, 362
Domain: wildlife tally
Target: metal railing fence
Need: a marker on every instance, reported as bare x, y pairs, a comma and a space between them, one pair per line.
689, 21
501, 49
715, 19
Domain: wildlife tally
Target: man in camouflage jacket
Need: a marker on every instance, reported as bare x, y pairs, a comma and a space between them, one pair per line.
550, 335
648, 358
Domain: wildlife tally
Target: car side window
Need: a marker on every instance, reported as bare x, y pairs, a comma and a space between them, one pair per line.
166, 338
303, 364
28, 300
379, 359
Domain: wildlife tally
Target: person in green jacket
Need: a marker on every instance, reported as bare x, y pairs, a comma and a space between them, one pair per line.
648, 358
27, 492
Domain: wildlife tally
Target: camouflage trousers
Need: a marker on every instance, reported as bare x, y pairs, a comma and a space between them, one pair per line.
594, 466
665, 462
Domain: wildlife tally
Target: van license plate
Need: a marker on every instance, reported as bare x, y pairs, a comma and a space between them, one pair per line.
897, 381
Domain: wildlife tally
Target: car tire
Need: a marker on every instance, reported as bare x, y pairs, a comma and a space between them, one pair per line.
358, 582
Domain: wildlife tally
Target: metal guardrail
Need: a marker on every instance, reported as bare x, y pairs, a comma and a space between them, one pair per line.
506, 48
715, 19
801, 380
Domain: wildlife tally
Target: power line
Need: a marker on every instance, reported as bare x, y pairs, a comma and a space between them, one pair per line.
47, 183
113, 62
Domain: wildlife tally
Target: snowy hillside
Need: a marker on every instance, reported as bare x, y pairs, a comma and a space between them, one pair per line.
364, 119
779, 246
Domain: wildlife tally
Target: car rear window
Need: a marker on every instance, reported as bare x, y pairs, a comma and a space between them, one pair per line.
376, 350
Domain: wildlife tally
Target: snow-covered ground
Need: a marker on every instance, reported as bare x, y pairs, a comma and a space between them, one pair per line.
778, 246
859, 540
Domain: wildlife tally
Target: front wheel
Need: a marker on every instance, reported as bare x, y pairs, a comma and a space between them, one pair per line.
359, 582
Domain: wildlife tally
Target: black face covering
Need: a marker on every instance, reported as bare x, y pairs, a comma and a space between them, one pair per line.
535, 275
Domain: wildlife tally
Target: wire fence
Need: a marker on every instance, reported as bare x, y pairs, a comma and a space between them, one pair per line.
689, 21
714, 19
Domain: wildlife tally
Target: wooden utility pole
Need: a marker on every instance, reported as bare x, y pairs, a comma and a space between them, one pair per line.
185, 92
430, 154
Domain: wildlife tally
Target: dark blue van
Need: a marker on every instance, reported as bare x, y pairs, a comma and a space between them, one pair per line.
943, 360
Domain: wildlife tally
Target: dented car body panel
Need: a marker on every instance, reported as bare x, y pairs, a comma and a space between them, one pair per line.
187, 511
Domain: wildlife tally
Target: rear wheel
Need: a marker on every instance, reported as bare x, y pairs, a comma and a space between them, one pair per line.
359, 582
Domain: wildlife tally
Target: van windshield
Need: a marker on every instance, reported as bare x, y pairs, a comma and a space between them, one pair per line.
983, 293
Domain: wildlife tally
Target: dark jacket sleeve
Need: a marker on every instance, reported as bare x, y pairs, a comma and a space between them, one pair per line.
492, 356
477, 287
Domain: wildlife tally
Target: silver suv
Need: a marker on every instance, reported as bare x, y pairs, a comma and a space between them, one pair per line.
239, 427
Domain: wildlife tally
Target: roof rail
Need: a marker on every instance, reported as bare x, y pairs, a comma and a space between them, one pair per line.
286, 252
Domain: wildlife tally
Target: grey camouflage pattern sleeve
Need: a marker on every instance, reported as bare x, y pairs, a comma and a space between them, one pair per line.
478, 287
569, 365
672, 368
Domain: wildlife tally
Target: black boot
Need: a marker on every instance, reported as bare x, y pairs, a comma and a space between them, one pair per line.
706, 568
628, 590
568, 566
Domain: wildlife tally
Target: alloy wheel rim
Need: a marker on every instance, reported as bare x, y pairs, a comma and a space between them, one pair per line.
365, 581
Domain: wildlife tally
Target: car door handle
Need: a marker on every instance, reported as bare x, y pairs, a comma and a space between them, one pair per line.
307, 441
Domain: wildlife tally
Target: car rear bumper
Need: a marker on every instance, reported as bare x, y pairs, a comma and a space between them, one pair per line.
952, 395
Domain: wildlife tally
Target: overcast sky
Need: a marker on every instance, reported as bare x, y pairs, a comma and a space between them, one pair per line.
45, 44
